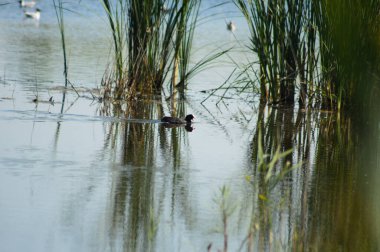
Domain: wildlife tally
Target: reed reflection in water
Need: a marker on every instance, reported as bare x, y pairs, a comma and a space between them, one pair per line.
331, 202
150, 151
144, 187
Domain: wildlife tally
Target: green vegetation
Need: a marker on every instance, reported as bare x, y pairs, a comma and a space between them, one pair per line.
283, 38
152, 44
322, 52
304, 50
58, 7
226, 206
349, 52
268, 173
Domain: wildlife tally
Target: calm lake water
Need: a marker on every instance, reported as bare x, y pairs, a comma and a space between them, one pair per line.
88, 176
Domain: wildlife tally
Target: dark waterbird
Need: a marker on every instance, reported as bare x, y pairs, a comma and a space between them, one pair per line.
174, 120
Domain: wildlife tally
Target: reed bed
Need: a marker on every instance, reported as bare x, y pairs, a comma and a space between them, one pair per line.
349, 52
283, 46
152, 45
317, 51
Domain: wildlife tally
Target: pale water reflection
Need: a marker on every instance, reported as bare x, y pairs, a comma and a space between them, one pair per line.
110, 177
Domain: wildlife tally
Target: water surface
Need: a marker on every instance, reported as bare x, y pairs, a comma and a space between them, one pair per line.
80, 175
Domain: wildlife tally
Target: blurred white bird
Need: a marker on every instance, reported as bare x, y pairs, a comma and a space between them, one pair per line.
231, 26
33, 14
29, 4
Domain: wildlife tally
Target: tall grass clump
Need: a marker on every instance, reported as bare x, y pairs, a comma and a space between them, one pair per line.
349, 51
323, 51
152, 44
282, 36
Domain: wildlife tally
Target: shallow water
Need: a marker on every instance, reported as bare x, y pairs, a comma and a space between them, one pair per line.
80, 175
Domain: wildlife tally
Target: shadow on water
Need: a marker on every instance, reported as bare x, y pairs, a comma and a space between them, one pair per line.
331, 202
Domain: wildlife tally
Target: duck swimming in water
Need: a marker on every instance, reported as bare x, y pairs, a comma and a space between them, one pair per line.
174, 120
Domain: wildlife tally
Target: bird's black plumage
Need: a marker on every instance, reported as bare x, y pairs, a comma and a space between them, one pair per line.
174, 120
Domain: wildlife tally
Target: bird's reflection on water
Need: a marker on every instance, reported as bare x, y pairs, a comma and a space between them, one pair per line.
187, 127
